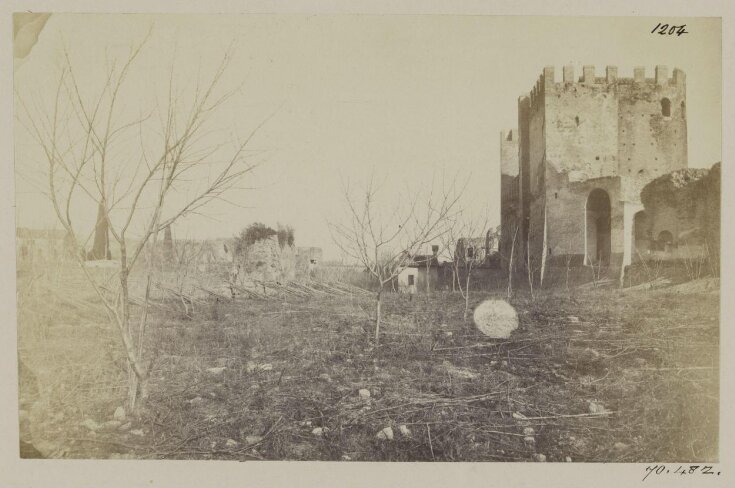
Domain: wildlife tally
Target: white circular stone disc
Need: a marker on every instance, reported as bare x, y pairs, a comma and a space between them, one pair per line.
496, 318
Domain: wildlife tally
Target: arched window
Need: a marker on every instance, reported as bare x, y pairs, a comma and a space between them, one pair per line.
683, 109
666, 107
665, 241
576, 120
470, 252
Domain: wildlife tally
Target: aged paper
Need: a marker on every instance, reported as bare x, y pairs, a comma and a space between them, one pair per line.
369, 245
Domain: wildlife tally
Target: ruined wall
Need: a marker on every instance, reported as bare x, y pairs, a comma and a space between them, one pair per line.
509, 192
684, 204
265, 260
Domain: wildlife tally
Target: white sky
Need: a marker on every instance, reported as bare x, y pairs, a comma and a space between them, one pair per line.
404, 96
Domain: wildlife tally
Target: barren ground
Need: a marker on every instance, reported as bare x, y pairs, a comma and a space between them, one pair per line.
590, 375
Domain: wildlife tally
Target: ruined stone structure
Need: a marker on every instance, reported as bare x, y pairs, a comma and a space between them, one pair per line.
307, 260
585, 148
681, 217
265, 260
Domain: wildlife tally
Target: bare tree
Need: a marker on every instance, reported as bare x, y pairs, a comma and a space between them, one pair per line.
466, 245
511, 260
385, 238
135, 169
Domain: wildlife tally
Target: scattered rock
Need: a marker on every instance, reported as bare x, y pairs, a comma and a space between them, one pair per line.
539, 458
252, 367
364, 393
529, 431
404, 430
231, 443
568, 459
459, 372
305, 423
110, 425
385, 434
138, 432
319, 431
519, 416
325, 377
640, 362
595, 407
253, 439
119, 414
620, 446
126, 426
496, 318
196, 399
572, 319
529, 441
90, 425
216, 371
345, 457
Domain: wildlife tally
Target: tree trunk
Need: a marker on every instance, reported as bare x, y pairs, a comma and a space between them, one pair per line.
378, 302
467, 295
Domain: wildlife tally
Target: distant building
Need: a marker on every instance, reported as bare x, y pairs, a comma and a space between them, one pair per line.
307, 260
42, 245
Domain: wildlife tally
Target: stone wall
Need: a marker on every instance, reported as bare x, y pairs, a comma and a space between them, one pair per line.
579, 135
682, 214
265, 260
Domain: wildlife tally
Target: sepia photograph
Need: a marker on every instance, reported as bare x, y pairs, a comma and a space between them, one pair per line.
350, 238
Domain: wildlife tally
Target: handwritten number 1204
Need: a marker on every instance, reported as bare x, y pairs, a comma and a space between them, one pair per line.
669, 30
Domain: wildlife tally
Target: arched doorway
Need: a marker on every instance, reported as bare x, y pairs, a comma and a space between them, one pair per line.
597, 225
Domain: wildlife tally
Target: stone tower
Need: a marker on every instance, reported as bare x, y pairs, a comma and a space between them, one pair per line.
586, 147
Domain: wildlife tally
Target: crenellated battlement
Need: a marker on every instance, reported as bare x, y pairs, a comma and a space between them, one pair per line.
547, 80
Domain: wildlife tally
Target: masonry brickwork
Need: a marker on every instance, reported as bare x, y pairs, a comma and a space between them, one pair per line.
585, 149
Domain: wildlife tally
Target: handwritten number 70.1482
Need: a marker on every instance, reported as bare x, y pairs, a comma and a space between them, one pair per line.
683, 470
669, 30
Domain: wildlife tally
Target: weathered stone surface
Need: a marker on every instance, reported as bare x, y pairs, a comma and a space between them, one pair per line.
496, 318
386, 434
574, 137
119, 414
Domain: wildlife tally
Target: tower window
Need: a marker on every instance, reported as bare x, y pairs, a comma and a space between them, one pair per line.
683, 109
576, 120
666, 107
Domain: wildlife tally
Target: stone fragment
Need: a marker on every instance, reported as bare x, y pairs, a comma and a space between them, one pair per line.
253, 439
119, 414
364, 393
496, 318
620, 446
90, 425
385, 434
